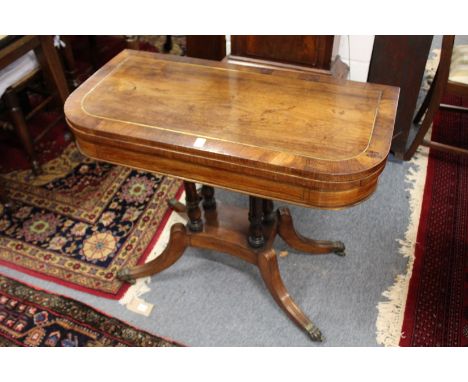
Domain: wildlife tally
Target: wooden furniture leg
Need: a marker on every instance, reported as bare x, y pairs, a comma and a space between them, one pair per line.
423, 129
297, 241
192, 200
69, 62
422, 110
50, 61
175, 249
268, 211
268, 265
209, 201
256, 238
177, 206
167, 47
226, 229
21, 128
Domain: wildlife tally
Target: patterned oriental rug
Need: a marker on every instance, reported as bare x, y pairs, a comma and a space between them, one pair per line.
436, 311
83, 221
32, 317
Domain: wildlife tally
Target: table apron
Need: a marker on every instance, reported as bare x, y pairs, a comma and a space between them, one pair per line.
256, 182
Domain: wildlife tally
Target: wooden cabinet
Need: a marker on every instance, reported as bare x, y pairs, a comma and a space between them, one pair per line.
307, 51
400, 61
310, 51
211, 47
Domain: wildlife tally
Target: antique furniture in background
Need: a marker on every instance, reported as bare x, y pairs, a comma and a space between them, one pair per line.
230, 126
48, 66
84, 54
309, 51
451, 77
210, 47
400, 61
289, 52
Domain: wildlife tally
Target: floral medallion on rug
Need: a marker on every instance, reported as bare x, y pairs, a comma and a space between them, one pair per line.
82, 221
32, 317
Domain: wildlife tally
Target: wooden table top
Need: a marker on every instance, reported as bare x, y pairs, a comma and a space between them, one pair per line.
299, 129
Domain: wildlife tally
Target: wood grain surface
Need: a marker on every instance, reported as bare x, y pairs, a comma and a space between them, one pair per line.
302, 138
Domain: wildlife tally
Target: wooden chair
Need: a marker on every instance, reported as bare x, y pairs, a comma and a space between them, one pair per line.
96, 53
451, 77
49, 67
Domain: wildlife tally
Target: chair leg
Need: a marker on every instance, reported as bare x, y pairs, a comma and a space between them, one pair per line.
167, 47
433, 106
69, 61
17, 117
426, 101
418, 139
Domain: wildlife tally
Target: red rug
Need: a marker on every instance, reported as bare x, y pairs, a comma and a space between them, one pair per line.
82, 221
34, 317
436, 311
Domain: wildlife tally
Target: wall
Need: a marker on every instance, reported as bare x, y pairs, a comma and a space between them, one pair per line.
355, 51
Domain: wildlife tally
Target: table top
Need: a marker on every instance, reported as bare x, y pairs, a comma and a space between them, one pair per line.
245, 120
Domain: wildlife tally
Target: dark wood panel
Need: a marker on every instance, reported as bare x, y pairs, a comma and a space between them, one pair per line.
400, 61
312, 51
211, 47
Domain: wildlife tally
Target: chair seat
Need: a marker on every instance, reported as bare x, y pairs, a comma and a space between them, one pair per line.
459, 65
17, 70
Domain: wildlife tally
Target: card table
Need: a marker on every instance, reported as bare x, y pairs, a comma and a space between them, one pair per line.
297, 137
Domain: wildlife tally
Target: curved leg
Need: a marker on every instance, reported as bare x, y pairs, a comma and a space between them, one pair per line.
297, 241
178, 241
426, 101
176, 206
269, 270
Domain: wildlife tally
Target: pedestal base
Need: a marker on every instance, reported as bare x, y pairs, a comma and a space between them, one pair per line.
226, 230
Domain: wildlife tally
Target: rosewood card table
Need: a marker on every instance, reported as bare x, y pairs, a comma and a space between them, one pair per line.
296, 137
